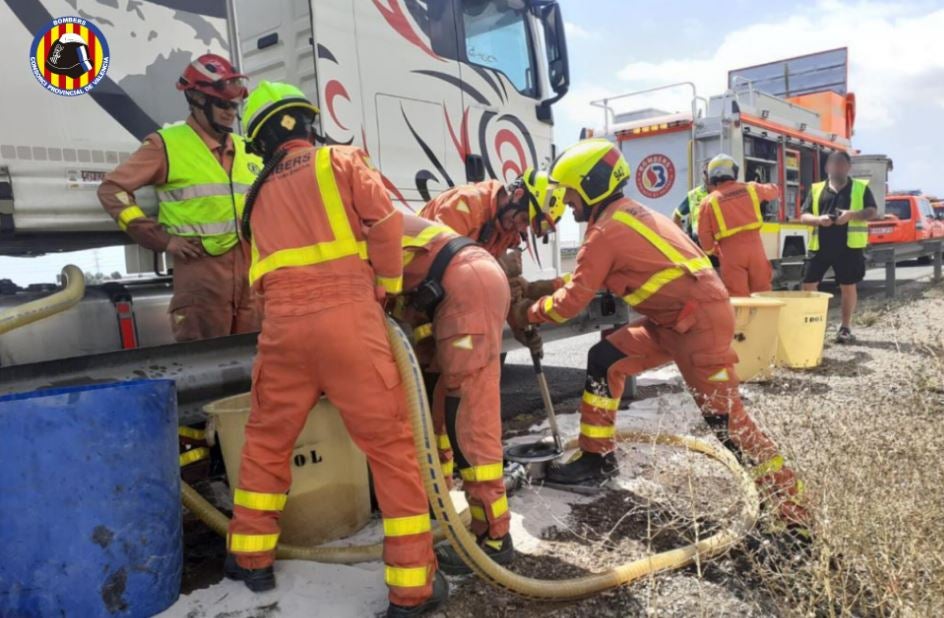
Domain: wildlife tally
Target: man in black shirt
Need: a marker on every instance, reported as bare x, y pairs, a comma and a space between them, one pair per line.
839, 210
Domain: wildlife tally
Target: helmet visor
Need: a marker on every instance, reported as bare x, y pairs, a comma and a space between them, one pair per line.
230, 89
543, 222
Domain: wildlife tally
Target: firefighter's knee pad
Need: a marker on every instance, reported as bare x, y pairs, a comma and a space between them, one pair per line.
452, 415
600, 358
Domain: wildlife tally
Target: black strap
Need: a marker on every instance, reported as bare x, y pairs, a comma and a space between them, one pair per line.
445, 255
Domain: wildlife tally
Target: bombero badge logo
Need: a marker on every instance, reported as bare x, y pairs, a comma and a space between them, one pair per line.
69, 56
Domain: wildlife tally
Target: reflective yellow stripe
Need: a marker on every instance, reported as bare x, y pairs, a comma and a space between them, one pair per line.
771, 466
597, 401
477, 512
499, 507
423, 331
654, 239
681, 266
259, 501
252, 543
443, 442
392, 285
422, 239
448, 468
480, 474
128, 215
724, 231
495, 544
403, 577
652, 285
194, 455
550, 312
406, 526
344, 244
190, 432
597, 431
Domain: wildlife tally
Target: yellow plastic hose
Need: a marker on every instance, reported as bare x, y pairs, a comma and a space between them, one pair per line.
453, 525
72, 292
464, 543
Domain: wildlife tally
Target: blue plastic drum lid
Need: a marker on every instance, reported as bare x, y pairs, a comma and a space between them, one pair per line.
90, 501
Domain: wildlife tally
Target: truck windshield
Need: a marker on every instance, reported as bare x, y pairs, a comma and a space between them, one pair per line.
497, 37
899, 208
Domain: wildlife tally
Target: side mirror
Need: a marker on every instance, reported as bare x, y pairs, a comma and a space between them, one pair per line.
558, 68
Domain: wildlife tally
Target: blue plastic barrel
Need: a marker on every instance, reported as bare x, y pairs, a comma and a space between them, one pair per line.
90, 519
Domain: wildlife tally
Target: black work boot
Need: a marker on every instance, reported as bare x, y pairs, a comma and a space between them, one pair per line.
257, 580
501, 551
584, 468
439, 596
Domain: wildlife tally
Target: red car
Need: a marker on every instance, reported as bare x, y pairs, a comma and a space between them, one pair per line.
908, 218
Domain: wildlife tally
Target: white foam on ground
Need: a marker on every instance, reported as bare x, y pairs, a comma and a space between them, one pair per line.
340, 591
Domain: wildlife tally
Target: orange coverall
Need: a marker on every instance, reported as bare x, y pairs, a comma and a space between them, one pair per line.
688, 320
729, 225
472, 210
467, 330
212, 297
324, 233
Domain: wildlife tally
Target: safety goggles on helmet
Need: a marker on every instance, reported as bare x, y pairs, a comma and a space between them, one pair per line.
594, 168
223, 103
214, 76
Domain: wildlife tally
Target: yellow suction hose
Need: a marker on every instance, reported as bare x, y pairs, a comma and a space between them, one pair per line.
72, 291
464, 543
453, 525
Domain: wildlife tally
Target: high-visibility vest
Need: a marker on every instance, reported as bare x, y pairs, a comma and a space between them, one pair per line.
695, 197
857, 236
199, 198
681, 265
755, 224
345, 243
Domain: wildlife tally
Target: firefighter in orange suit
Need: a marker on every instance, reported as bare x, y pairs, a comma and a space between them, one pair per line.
457, 297
325, 249
729, 225
687, 318
497, 217
201, 171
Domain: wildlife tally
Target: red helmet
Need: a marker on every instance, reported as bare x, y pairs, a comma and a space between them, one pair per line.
213, 76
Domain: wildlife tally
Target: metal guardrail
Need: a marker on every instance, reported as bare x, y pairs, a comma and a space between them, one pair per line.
890, 255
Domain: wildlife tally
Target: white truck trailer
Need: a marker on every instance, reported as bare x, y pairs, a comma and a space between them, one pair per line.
439, 93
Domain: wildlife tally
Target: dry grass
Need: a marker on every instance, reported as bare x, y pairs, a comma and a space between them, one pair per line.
871, 450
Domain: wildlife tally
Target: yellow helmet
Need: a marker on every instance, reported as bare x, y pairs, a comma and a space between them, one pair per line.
594, 168
545, 201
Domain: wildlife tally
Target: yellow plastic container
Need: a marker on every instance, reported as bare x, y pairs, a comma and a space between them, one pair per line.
755, 336
802, 327
330, 494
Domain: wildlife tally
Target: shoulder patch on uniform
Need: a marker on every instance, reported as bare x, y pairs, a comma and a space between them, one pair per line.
463, 343
463, 207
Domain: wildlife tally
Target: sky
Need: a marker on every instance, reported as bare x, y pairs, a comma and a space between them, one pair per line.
896, 63
618, 46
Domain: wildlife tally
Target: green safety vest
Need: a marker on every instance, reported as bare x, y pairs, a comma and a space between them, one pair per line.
695, 198
857, 236
199, 198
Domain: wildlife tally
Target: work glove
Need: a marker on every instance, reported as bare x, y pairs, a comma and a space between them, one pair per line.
511, 264
531, 339
537, 290
519, 288
518, 315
